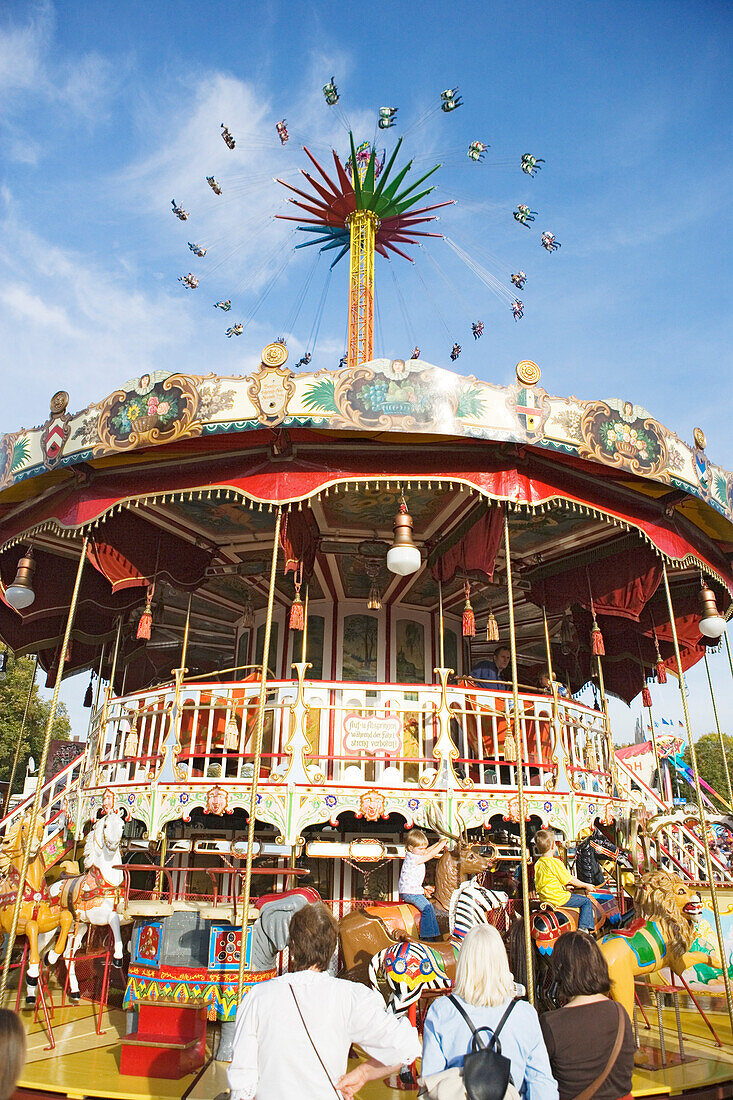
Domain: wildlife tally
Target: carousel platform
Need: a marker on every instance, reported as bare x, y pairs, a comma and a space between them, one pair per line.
86, 1064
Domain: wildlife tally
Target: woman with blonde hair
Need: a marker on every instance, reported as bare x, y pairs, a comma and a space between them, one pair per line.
484, 988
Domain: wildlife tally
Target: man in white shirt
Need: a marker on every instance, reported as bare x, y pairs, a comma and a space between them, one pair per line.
293, 1033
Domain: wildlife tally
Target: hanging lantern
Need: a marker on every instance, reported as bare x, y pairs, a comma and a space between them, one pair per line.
20, 594
469, 619
646, 696
712, 624
403, 557
248, 614
89, 693
374, 603
146, 619
568, 634
297, 611
492, 628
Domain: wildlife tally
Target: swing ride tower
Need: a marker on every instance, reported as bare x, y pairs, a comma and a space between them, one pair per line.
363, 212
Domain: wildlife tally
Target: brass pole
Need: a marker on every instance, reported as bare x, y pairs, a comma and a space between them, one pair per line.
257, 756
441, 636
520, 767
656, 752
700, 803
163, 854
184, 649
607, 727
304, 650
20, 737
42, 769
655, 747
720, 732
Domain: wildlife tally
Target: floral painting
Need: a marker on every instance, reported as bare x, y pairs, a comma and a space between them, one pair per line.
155, 407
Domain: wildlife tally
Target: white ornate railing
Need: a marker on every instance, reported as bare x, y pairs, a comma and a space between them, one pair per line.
339, 733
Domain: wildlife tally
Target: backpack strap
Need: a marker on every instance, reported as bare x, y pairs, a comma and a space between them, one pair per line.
475, 1031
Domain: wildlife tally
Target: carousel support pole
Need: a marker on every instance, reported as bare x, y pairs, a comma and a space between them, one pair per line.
257, 757
700, 802
441, 625
607, 727
108, 690
35, 809
655, 747
304, 649
520, 765
18, 747
161, 868
720, 732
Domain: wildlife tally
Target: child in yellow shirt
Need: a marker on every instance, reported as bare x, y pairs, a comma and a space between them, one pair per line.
552, 878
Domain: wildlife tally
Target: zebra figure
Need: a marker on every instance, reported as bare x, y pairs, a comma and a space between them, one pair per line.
411, 969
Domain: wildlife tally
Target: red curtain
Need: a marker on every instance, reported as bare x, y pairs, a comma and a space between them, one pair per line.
472, 548
299, 539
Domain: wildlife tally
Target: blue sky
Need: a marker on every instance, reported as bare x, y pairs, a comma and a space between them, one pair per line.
108, 111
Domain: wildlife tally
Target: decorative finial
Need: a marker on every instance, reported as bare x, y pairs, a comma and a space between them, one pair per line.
274, 355
699, 436
60, 400
528, 373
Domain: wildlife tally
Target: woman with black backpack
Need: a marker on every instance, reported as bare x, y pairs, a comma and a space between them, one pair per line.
481, 1042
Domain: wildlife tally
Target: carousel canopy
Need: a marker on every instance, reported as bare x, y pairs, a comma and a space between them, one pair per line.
174, 479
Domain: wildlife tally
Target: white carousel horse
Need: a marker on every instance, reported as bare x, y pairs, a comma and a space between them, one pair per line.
95, 897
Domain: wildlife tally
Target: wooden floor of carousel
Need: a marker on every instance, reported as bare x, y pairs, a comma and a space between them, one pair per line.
84, 1063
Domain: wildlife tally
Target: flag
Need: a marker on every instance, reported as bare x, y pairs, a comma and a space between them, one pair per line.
681, 725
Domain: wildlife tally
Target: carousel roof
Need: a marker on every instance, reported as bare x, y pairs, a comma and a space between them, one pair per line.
154, 474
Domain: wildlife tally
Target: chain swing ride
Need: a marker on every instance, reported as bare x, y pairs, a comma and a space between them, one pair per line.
366, 205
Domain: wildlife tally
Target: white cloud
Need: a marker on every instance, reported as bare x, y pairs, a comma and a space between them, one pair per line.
28, 71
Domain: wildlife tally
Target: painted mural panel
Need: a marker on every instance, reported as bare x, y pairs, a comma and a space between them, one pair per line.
410, 662
314, 646
360, 648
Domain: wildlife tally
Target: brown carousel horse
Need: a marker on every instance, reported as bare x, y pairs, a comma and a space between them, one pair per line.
39, 914
366, 932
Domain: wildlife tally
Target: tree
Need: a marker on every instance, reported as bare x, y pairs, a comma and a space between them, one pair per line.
710, 760
13, 696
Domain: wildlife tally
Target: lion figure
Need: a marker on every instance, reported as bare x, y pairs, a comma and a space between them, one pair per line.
660, 936
664, 898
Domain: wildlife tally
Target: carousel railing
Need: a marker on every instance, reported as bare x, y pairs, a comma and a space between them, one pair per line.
350, 733
55, 796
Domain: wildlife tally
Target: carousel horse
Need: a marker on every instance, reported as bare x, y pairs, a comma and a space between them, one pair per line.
411, 969
39, 912
591, 851
661, 935
366, 932
94, 898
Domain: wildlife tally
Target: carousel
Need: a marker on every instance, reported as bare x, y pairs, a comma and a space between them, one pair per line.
317, 610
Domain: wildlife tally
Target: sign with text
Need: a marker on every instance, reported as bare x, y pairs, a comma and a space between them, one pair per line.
373, 733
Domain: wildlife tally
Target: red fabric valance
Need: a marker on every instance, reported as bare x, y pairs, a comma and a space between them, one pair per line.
521, 476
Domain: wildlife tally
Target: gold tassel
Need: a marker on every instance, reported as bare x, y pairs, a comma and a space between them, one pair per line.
146, 619
492, 628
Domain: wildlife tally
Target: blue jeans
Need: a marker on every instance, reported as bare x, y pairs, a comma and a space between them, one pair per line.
429, 929
584, 904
